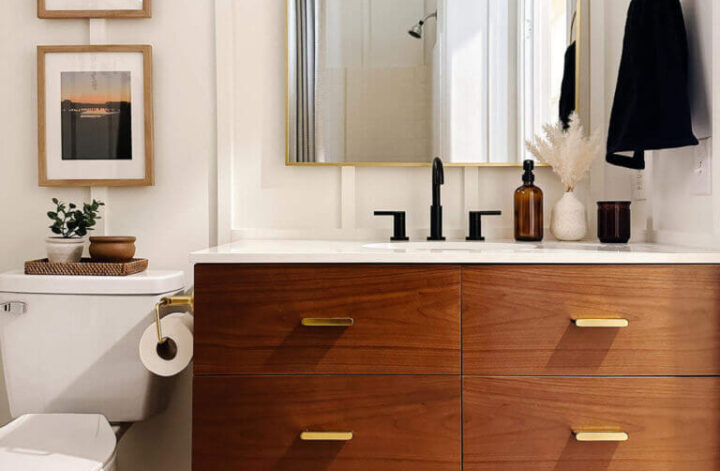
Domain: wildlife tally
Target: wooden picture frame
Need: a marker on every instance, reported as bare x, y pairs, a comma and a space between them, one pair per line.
144, 12
143, 145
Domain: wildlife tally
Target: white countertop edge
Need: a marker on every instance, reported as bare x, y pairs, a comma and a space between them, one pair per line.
485, 259
317, 252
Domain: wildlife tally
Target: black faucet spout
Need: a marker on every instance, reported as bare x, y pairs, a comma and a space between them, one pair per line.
438, 179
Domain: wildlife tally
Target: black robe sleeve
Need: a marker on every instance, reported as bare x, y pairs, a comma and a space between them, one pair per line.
567, 91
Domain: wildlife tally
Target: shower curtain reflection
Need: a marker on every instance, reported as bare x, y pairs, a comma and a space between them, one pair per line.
303, 73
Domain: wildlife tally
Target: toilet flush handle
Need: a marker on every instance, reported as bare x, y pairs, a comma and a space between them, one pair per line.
14, 307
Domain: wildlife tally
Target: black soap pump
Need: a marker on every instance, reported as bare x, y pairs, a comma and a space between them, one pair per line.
528, 207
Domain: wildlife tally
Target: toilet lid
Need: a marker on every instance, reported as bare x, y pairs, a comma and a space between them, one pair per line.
56, 442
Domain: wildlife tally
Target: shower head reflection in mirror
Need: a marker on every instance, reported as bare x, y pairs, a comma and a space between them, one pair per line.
417, 29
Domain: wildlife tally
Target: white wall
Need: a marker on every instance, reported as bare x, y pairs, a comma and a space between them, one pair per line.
271, 200
170, 219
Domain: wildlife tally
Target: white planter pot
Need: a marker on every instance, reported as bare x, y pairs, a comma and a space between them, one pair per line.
61, 250
568, 220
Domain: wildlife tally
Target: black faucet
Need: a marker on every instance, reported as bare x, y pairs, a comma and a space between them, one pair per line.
438, 178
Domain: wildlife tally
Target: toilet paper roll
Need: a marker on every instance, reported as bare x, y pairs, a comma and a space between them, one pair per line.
178, 327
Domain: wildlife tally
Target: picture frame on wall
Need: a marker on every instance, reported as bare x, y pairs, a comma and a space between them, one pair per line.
94, 8
95, 115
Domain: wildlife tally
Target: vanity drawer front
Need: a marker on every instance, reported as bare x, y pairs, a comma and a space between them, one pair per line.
405, 319
397, 423
528, 423
519, 320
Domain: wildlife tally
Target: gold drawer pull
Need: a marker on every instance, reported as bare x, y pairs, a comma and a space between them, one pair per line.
328, 321
599, 436
326, 436
616, 323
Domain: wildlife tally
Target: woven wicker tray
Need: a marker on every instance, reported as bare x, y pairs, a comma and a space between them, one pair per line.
86, 267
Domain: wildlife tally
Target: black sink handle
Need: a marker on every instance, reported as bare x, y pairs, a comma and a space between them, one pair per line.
476, 223
398, 223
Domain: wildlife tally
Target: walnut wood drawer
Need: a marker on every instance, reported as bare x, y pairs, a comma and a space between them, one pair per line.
248, 319
519, 320
397, 423
528, 423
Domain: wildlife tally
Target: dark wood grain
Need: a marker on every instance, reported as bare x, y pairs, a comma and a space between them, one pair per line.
527, 423
400, 423
407, 319
517, 320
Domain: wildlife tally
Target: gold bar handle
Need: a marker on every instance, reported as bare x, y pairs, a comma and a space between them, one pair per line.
326, 436
600, 436
328, 321
613, 323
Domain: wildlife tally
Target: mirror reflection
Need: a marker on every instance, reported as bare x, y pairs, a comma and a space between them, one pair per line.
401, 81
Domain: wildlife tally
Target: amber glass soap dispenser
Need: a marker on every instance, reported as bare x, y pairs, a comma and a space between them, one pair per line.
528, 207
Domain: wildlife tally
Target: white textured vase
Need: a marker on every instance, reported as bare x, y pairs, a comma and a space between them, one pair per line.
568, 220
62, 250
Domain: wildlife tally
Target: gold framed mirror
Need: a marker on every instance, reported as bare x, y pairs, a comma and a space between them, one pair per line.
375, 83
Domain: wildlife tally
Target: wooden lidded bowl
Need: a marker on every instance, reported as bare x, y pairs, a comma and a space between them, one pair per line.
112, 248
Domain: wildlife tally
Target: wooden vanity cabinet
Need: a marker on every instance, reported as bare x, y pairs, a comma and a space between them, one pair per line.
386, 369
405, 319
529, 423
450, 367
521, 320
397, 422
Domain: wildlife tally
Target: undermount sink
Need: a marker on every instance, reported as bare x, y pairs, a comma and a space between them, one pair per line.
452, 246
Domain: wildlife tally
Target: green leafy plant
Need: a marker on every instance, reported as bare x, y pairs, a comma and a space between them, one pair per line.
69, 221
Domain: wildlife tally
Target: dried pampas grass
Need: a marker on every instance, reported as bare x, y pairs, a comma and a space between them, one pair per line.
568, 152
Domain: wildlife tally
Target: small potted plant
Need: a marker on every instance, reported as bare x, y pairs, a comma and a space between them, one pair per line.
71, 225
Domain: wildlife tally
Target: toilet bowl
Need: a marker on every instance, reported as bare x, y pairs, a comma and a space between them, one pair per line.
72, 368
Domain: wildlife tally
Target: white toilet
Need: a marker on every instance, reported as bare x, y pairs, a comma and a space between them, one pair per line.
72, 369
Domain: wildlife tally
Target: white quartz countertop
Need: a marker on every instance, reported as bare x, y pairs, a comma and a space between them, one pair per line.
491, 252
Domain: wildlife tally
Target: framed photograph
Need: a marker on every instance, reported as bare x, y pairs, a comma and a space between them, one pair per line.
95, 116
94, 8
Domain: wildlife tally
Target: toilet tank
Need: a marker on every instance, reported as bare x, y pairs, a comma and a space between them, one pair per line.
74, 349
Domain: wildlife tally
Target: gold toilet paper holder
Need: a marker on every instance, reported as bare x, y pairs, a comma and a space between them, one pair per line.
167, 349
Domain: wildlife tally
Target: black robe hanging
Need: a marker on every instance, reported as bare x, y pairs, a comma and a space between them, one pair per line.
651, 109
567, 91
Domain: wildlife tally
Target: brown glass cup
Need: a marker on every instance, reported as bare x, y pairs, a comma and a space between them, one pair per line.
614, 222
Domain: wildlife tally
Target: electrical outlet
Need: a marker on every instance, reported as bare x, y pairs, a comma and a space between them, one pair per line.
702, 170
639, 185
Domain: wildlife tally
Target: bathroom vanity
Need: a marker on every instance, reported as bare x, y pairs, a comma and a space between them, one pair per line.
448, 356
